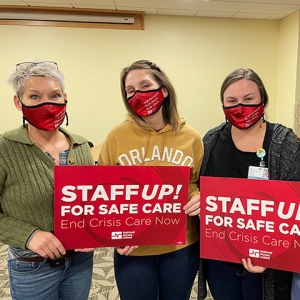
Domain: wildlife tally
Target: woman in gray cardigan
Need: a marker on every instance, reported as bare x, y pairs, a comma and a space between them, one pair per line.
229, 150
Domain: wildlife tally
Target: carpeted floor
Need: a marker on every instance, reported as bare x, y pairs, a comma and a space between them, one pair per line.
103, 285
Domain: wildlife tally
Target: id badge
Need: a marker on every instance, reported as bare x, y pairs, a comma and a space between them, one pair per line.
258, 173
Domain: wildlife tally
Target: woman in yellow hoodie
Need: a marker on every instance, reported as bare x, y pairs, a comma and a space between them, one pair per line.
153, 134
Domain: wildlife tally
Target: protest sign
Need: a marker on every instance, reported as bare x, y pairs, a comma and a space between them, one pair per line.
101, 206
243, 218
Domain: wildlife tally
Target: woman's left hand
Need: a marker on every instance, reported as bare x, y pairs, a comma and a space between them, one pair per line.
192, 208
85, 250
250, 267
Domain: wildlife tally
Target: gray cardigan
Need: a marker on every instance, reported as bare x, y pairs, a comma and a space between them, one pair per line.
284, 164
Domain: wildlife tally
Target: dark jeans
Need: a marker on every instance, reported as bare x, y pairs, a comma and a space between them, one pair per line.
165, 277
229, 281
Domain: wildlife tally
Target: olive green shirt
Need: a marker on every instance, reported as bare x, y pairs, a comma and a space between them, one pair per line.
27, 184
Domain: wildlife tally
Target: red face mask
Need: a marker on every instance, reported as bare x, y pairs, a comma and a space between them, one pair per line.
244, 116
146, 103
46, 116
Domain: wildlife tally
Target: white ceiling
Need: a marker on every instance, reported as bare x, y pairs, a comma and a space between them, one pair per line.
253, 9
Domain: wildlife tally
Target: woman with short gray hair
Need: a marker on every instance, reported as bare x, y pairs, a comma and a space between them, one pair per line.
39, 265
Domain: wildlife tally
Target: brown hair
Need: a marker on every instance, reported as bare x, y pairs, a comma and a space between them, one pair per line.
170, 112
248, 74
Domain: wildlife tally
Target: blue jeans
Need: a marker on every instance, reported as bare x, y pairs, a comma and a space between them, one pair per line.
38, 281
167, 276
228, 281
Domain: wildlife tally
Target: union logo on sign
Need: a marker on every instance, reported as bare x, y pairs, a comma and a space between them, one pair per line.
116, 235
254, 253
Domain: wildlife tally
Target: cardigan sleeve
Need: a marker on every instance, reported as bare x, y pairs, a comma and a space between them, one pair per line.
195, 169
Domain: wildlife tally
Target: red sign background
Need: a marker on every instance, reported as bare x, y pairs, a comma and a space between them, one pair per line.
243, 218
101, 206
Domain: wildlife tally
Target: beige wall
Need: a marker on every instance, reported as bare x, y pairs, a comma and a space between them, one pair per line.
288, 69
196, 53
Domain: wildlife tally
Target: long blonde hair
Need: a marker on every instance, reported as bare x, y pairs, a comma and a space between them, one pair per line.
170, 112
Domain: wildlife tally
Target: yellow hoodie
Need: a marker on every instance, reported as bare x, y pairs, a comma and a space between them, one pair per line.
130, 145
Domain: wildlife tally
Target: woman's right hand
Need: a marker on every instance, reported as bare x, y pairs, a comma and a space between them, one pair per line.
247, 263
46, 245
125, 250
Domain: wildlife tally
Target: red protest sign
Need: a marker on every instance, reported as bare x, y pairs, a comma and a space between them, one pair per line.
102, 206
243, 218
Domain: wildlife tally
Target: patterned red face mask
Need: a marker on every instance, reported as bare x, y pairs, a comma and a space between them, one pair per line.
146, 103
45, 116
244, 116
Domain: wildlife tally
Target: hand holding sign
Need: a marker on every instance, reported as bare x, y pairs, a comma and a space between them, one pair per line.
46, 244
192, 208
125, 250
247, 263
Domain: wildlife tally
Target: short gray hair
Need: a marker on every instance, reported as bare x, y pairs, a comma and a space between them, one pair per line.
25, 70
